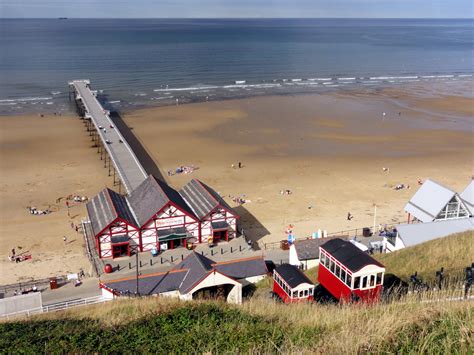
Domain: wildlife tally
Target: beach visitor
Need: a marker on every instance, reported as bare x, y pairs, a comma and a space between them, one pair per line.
13, 252
64, 239
240, 164
349, 216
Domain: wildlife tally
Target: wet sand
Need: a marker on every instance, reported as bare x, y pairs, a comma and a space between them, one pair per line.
328, 150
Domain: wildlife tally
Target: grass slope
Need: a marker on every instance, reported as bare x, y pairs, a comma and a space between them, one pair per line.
260, 325
454, 253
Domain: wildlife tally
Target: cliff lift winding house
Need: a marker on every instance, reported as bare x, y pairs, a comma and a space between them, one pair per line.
348, 273
196, 277
164, 218
114, 226
218, 221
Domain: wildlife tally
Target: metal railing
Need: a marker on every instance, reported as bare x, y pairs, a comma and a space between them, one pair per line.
60, 306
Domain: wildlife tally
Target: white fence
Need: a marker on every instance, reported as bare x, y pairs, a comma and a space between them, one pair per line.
60, 306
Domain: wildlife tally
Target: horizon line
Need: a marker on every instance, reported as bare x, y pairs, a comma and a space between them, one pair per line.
237, 18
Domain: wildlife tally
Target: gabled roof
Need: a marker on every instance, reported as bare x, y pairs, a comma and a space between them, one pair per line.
349, 255
428, 201
468, 197
197, 266
202, 199
148, 284
151, 196
308, 249
292, 275
417, 233
106, 207
242, 268
189, 273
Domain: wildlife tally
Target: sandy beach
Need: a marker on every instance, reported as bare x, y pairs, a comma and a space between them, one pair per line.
41, 160
328, 150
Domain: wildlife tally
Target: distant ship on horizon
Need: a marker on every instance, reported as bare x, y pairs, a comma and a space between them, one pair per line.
62, 18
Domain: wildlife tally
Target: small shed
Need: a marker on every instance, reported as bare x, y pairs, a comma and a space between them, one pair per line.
218, 221
304, 253
291, 285
434, 201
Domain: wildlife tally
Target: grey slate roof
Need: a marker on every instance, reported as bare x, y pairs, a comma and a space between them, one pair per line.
428, 201
149, 284
292, 275
151, 196
468, 197
308, 249
202, 199
417, 233
106, 207
188, 273
243, 268
197, 266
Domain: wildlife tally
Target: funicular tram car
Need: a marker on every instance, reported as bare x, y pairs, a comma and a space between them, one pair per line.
348, 273
291, 285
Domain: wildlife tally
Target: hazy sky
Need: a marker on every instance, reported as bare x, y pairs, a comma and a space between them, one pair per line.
237, 8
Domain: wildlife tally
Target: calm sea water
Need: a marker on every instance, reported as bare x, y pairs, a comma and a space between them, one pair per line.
150, 62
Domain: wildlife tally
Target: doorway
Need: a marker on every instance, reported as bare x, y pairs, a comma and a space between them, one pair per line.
122, 249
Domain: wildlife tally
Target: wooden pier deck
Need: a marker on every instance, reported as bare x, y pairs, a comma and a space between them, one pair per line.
126, 164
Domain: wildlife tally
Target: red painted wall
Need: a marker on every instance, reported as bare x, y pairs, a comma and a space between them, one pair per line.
341, 291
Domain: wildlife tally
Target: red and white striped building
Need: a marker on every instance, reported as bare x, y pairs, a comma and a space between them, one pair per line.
218, 221
156, 216
113, 224
164, 218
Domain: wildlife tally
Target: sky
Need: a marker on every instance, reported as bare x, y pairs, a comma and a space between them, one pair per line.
236, 8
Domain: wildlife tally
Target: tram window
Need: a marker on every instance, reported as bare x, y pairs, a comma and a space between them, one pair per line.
364, 282
348, 280
306, 293
357, 282
301, 293
294, 294
311, 290
327, 261
343, 275
371, 280
379, 278
338, 270
322, 258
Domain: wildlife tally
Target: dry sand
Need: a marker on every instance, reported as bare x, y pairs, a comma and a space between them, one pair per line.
42, 159
328, 150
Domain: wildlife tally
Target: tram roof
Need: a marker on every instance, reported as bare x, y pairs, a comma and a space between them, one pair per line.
349, 255
292, 275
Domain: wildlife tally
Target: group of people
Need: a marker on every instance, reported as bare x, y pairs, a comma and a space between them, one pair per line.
401, 186
35, 211
286, 192
182, 170
18, 258
239, 199
26, 291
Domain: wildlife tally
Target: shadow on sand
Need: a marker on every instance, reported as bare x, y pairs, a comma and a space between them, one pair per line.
141, 153
250, 225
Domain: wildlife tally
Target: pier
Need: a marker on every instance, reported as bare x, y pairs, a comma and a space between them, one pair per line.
110, 142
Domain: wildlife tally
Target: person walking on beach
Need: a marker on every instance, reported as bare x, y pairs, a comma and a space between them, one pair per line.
65, 240
349, 216
240, 164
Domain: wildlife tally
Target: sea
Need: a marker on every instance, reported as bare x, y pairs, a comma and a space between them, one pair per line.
137, 63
